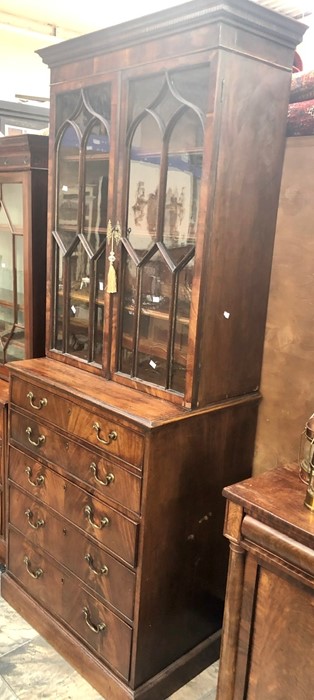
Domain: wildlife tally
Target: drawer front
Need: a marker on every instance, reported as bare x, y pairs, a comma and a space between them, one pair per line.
59, 593
109, 527
118, 484
99, 429
99, 628
93, 565
37, 575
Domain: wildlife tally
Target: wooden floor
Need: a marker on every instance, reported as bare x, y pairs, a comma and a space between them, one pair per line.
31, 669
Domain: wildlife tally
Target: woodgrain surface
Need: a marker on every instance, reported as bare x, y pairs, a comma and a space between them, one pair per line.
287, 377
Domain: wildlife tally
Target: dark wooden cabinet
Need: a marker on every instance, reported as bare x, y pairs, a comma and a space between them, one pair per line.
268, 619
167, 141
23, 224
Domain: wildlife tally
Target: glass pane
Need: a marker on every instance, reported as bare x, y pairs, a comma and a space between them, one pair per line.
145, 157
99, 318
154, 327
6, 271
79, 303
66, 105
182, 318
192, 85
68, 183
142, 94
58, 340
96, 184
128, 318
11, 210
98, 98
183, 181
16, 346
19, 265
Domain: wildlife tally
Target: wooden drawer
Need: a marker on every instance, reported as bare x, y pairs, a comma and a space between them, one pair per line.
86, 615
61, 595
94, 427
112, 529
124, 488
92, 564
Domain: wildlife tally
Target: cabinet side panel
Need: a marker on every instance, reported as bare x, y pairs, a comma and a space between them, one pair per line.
184, 553
242, 231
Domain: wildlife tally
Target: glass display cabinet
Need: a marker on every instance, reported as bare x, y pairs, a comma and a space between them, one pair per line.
167, 143
23, 221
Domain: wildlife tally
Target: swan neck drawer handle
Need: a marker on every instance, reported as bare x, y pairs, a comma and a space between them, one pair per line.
42, 402
39, 481
34, 574
99, 627
103, 571
89, 514
40, 441
109, 478
37, 524
113, 435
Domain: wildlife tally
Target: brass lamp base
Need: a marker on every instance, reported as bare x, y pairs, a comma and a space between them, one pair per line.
309, 500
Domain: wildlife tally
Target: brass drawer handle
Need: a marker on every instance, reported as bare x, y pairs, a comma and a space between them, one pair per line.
39, 481
99, 572
41, 438
113, 435
108, 479
37, 524
34, 574
89, 514
100, 627
42, 402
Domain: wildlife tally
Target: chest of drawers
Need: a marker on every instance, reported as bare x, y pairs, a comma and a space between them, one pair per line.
115, 547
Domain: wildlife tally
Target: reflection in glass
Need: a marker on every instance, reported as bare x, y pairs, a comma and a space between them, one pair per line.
82, 157
12, 336
96, 183
99, 309
79, 303
68, 183
154, 321
144, 176
58, 331
166, 147
182, 318
128, 319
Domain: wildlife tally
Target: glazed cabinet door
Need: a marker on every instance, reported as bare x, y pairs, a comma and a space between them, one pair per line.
167, 119
84, 177
13, 221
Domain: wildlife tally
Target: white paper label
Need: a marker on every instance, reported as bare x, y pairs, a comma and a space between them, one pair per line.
73, 309
152, 364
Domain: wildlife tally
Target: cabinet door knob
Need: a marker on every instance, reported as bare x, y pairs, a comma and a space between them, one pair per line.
42, 402
34, 574
39, 481
41, 438
89, 514
39, 523
103, 571
98, 627
113, 435
109, 478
